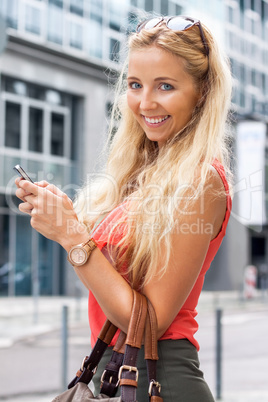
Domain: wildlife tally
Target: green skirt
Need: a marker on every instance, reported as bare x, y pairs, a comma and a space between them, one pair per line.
177, 371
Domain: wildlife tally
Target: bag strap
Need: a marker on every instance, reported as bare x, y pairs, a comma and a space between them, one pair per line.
151, 353
109, 379
90, 363
143, 320
128, 373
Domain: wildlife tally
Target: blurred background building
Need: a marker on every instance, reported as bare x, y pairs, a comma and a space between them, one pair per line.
57, 60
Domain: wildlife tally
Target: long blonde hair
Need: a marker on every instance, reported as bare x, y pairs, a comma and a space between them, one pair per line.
149, 179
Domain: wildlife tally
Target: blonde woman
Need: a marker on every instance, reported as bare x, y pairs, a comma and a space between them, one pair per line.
161, 211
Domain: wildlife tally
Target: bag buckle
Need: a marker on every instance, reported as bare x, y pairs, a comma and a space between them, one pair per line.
152, 383
110, 379
83, 363
129, 368
83, 366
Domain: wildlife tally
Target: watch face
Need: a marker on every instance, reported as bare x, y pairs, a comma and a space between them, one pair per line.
79, 256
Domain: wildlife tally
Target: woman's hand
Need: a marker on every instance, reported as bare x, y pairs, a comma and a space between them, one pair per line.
52, 213
21, 193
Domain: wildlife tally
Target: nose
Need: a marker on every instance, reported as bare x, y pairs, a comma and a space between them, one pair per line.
148, 100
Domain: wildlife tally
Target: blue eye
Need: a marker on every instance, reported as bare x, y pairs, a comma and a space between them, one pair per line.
166, 87
134, 85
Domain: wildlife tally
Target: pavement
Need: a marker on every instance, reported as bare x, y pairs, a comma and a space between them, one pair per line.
25, 318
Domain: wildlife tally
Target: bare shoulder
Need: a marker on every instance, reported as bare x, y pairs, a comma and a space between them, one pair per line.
216, 201
213, 186
215, 179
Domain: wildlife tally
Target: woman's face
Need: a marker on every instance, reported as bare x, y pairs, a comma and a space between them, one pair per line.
160, 93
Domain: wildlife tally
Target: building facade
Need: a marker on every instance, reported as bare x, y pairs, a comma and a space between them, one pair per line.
55, 96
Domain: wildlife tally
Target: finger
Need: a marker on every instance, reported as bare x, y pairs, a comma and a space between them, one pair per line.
55, 190
42, 183
20, 193
29, 187
31, 199
17, 181
26, 208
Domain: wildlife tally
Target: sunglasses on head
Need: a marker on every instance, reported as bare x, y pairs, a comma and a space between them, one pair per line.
178, 23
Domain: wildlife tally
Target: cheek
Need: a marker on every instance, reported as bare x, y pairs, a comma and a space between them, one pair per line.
132, 102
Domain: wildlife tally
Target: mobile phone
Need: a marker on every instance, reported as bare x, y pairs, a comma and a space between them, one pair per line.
22, 173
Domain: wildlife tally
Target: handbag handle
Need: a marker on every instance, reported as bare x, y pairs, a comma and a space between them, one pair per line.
109, 379
142, 313
90, 363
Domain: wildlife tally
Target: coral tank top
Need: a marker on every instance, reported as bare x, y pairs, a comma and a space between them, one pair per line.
184, 325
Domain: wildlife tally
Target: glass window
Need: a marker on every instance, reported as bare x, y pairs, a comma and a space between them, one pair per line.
178, 9
53, 97
15, 87
230, 14
242, 74
23, 269
36, 92
76, 35
114, 50
253, 77
115, 14
263, 10
57, 3
9, 9
12, 124
45, 265
132, 22
95, 39
149, 5
76, 7
164, 7
96, 10
32, 20
242, 20
234, 95
36, 130
57, 134
4, 245
263, 83
55, 24
242, 99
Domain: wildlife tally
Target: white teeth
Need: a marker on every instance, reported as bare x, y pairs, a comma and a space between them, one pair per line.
154, 121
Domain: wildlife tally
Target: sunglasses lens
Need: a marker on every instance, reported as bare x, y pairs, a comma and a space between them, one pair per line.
179, 24
149, 24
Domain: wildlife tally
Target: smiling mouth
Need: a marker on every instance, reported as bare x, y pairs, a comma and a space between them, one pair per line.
155, 120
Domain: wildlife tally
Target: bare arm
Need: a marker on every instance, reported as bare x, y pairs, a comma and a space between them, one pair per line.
52, 210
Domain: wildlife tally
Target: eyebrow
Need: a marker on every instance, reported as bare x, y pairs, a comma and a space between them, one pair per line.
156, 79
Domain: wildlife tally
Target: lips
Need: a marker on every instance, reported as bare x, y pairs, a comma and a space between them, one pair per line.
156, 121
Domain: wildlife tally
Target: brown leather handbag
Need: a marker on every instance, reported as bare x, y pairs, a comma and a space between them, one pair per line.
121, 370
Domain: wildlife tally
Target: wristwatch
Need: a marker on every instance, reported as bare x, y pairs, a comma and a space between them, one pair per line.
79, 254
